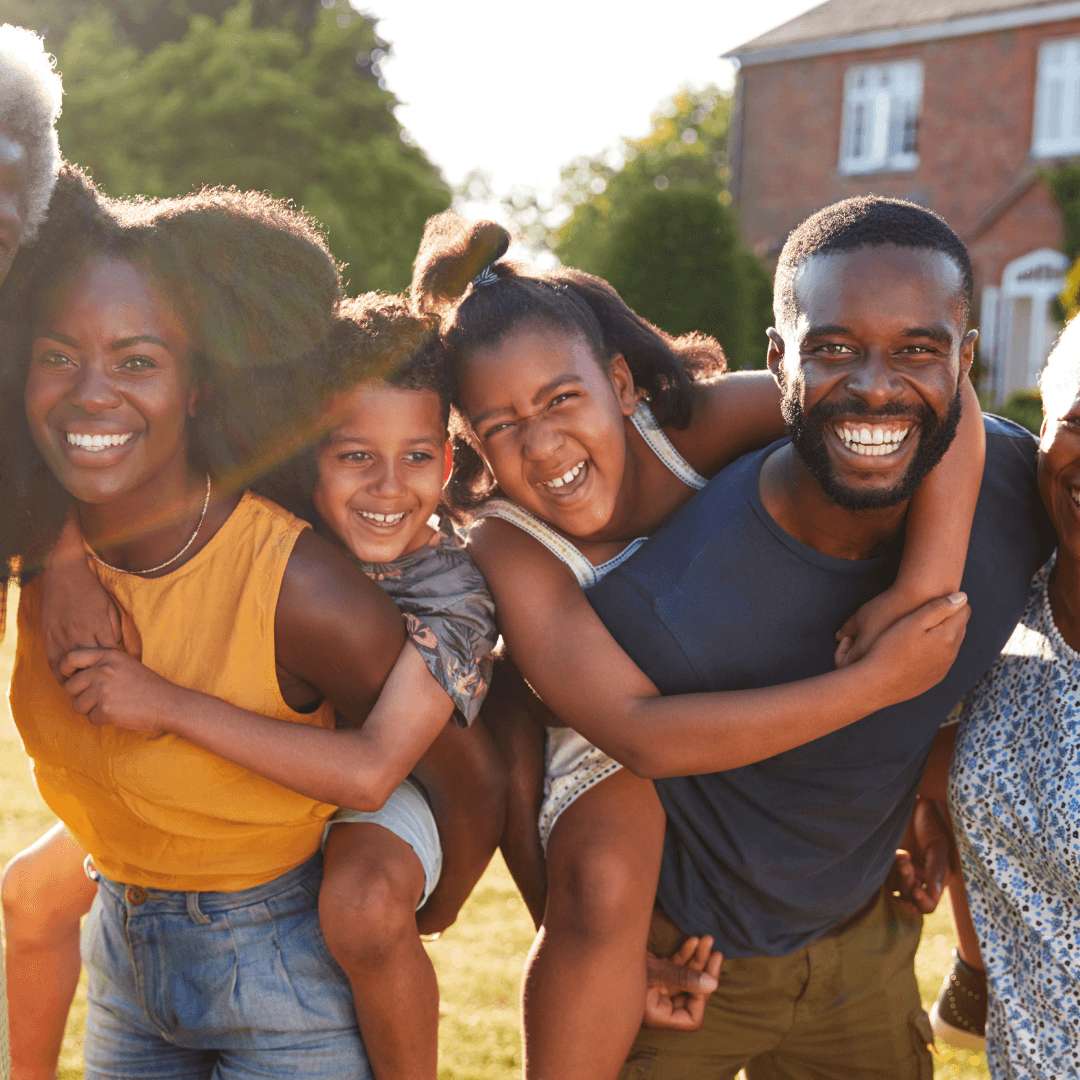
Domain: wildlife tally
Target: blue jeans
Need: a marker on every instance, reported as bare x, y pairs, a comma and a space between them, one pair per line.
217, 985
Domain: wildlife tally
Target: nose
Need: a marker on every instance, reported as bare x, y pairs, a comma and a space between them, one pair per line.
386, 479
93, 391
543, 439
875, 381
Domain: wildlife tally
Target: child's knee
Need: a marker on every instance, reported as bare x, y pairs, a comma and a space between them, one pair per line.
368, 910
595, 891
33, 907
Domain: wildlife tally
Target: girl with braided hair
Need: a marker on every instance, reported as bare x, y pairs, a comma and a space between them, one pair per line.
174, 351
583, 427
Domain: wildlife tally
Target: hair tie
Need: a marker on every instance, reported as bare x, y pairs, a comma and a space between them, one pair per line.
487, 276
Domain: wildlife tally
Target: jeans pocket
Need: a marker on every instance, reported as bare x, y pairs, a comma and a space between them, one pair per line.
922, 1037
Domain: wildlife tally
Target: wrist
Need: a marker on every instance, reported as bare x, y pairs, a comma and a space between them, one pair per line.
174, 712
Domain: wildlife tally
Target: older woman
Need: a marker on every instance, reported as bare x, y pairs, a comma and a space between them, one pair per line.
1014, 786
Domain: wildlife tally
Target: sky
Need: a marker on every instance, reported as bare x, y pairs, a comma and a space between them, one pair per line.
518, 89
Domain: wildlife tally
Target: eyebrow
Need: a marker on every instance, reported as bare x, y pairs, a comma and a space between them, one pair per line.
940, 334
116, 346
337, 439
539, 396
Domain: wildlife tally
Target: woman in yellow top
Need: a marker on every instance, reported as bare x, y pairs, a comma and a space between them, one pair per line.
173, 349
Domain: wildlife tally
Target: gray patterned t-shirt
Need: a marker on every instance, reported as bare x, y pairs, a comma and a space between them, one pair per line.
449, 615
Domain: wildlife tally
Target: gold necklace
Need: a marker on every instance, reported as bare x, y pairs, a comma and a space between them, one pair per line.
168, 562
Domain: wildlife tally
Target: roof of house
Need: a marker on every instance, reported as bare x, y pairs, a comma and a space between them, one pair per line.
845, 25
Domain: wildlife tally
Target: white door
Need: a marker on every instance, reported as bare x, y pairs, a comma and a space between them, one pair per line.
1019, 328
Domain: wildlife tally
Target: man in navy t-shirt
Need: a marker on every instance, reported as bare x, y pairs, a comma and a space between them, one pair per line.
784, 862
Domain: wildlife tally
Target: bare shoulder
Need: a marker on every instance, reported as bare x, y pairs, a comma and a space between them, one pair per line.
321, 584
732, 413
499, 547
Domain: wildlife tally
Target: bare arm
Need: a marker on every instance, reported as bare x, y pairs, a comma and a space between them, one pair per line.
76, 610
335, 631
732, 414
586, 679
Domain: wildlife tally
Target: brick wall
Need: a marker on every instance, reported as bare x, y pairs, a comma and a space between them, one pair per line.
974, 144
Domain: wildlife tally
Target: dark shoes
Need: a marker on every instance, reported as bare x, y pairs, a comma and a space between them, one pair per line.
959, 1014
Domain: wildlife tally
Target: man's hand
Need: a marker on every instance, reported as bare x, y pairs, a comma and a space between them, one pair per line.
679, 987
109, 687
922, 866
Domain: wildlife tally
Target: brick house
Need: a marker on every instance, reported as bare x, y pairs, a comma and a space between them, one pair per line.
955, 104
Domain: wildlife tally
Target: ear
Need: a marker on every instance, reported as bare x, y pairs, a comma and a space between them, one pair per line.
774, 358
967, 351
194, 394
623, 382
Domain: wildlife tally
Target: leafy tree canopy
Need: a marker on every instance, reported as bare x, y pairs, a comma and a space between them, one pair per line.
653, 217
279, 95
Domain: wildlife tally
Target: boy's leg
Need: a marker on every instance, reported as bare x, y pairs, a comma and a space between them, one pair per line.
372, 883
45, 893
584, 990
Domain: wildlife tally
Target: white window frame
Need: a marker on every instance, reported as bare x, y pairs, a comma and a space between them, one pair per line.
1056, 125
882, 109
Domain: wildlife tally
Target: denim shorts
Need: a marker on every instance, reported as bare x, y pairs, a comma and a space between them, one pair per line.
217, 985
408, 815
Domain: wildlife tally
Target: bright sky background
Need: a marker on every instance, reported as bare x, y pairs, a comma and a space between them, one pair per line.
519, 89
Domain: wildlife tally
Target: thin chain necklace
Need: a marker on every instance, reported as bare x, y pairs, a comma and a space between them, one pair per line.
168, 562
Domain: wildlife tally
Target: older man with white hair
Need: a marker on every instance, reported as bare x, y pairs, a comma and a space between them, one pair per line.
30, 93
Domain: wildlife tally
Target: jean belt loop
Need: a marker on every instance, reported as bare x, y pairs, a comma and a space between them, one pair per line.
193, 910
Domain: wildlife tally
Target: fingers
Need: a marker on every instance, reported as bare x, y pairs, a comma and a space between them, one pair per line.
936, 611
78, 659
842, 656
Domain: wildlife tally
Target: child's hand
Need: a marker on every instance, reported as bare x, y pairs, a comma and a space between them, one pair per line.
679, 987
860, 632
109, 687
916, 653
923, 865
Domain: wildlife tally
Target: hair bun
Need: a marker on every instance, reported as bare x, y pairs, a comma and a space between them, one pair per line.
452, 253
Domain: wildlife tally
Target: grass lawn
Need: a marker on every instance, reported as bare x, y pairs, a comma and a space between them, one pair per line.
478, 960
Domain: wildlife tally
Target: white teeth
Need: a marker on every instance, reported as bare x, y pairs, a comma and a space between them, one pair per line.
97, 442
566, 477
874, 442
1075, 497
383, 519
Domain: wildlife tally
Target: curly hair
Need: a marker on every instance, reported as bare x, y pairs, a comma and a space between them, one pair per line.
255, 284
375, 338
30, 93
1059, 381
867, 221
475, 314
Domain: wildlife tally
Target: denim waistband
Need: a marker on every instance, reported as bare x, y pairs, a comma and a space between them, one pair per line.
146, 901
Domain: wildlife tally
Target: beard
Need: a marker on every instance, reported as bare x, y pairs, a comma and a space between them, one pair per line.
807, 433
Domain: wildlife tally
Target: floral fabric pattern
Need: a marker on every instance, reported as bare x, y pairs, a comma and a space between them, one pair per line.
449, 615
1014, 792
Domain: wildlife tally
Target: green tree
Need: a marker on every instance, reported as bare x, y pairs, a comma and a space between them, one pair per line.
676, 258
259, 104
653, 217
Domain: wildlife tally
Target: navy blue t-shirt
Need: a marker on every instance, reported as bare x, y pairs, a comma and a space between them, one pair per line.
768, 857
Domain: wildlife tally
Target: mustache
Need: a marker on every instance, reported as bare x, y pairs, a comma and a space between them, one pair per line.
824, 411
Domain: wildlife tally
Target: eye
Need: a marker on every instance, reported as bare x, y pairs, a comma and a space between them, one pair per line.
495, 428
834, 348
355, 457
563, 397
419, 457
138, 363
52, 358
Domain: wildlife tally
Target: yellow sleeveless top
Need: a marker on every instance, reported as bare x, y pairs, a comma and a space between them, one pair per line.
157, 810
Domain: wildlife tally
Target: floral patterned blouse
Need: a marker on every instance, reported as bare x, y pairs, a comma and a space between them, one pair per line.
1014, 792
449, 615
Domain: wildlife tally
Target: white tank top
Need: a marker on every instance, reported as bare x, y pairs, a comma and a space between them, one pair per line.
586, 573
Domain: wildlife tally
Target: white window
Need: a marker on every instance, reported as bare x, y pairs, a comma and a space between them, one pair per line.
1057, 99
880, 128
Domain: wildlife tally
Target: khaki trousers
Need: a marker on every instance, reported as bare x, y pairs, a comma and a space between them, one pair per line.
845, 1007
